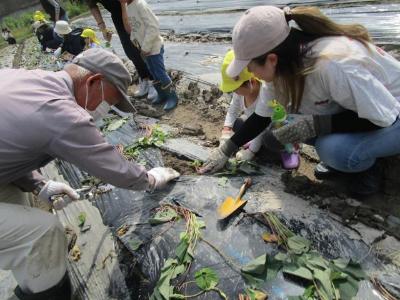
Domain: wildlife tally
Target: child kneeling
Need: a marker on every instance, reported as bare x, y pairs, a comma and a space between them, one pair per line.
247, 90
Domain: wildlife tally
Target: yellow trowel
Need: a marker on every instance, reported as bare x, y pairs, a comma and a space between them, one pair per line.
230, 205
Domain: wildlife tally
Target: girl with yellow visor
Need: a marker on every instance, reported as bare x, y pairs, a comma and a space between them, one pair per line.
246, 90
91, 40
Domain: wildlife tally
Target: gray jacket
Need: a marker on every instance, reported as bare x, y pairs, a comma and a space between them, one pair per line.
40, 120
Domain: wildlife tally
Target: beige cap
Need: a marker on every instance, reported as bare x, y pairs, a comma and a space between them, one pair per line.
62, 27
98, 60
258, 31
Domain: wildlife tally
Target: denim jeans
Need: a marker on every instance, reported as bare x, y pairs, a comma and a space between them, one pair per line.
155, 63
357, 152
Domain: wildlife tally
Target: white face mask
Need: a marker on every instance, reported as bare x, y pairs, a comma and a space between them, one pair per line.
102, 109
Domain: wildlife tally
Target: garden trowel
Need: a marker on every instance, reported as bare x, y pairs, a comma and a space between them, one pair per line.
230, 205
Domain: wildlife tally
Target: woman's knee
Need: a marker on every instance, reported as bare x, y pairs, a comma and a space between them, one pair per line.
341, 153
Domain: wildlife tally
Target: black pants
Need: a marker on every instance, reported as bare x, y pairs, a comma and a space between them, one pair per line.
130, 50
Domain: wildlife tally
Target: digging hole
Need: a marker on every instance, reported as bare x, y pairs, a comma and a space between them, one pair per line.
182, 165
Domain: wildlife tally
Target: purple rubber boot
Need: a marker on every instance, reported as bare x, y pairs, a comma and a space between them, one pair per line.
290, 160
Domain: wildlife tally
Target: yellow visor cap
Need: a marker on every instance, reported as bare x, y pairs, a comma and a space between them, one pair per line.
229, 84
89, 33
39, 16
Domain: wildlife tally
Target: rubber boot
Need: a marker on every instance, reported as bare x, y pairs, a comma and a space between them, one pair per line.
161, 96
368, 182
171, 97
61, 291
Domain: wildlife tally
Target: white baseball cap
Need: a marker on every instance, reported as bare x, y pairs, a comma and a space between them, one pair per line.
62, 27
259, 30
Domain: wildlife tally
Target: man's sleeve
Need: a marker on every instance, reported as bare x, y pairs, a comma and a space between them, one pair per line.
29, 181
83, 145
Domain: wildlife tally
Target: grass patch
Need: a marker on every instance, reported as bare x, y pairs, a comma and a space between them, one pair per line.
20, 25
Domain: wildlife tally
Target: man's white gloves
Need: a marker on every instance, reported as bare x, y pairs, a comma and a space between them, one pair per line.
225, 135
245, 154
53, 188
159, 177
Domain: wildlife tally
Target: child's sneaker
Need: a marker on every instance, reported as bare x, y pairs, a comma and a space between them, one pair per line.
290, 160
152, 92
142, 90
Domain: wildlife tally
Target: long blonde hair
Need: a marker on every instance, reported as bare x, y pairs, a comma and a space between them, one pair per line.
290, 69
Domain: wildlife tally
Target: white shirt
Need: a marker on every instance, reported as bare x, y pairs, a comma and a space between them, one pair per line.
145, 27
237, 108
349, 76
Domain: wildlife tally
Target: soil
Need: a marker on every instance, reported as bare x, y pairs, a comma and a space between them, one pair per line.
182, 165
188, 115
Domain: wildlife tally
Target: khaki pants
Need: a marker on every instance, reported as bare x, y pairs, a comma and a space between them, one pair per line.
32, 242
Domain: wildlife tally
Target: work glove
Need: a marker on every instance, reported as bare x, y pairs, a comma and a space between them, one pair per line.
245, 154
160, 177
215, 162
218, 157
301, 128
54, 188
225, 135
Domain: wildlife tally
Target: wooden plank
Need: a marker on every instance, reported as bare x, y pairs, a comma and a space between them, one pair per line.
96, 275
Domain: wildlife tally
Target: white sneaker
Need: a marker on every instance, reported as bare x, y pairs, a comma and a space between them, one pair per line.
152, 92
143, 89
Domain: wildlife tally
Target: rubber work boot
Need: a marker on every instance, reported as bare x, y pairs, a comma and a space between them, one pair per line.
161, 96
152, 92
368, 182
323, 171
171, 97
61, 291
143, 88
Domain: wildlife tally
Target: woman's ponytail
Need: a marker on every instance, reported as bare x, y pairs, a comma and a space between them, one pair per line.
312, 21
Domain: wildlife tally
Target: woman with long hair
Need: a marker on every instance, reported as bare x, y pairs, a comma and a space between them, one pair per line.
343, 90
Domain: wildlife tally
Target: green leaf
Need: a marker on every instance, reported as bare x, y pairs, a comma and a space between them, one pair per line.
206, 279
298, 244
255, 272
354, 269
162, 291
316, 261
348, 288
180, 269
163, 216
222, 181
309, 292
135, 243
184, 251
324, 284
200, 224
341, 262
81, 219
301, 272
116, 124
254, 294
257, 266
273, 267
281, 256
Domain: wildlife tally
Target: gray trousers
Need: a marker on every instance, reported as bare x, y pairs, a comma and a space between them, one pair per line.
32, 242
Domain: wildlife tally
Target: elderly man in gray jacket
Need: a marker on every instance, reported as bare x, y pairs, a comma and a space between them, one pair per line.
46, 115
